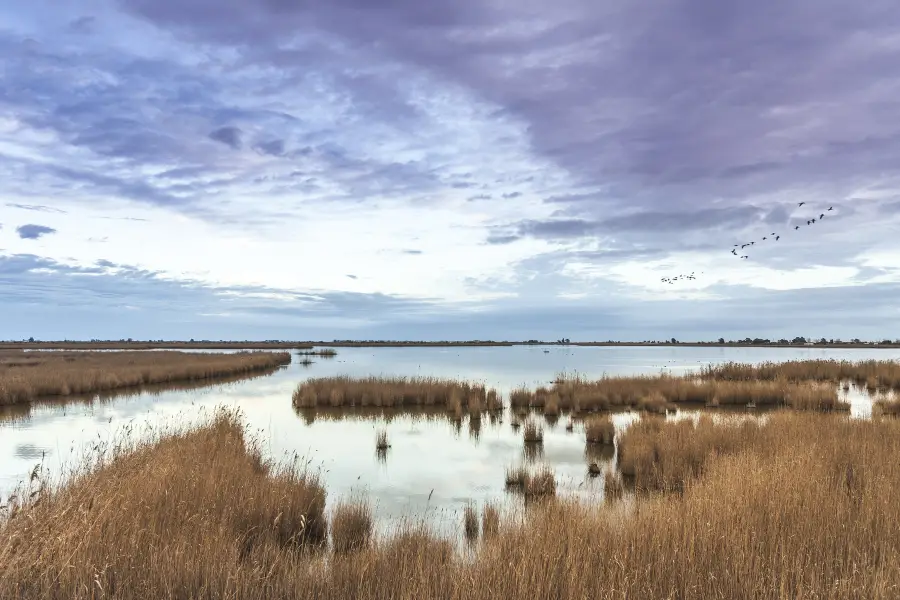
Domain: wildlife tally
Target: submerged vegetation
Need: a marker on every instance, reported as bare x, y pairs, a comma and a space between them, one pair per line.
736, 505
25, 376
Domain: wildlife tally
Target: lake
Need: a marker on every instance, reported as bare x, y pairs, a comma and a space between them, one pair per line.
431, 465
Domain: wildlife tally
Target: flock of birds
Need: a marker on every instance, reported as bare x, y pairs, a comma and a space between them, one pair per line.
772, 237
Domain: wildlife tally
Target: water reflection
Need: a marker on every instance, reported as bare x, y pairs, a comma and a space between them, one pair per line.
432, 463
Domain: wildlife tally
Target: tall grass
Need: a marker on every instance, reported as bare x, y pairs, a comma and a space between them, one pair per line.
885, 373
808, 507
470, 523
26, 376
661, 393
388, 392
533, 433
352, 527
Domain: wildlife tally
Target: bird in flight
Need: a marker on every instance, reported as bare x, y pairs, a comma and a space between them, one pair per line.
777, 237
801, 204
830, 208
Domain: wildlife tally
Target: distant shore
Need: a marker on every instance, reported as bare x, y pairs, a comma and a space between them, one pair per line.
308, 345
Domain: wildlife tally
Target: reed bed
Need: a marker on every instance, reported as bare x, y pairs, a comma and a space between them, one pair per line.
662, 393
490, 521
663, 455
352, 527
889, 407
811, 509
879, 373
323, 353
26, 376
389, 392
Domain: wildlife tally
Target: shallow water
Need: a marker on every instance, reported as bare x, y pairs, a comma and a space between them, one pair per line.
430, 465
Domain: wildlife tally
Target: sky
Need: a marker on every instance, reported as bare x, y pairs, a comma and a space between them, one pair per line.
451, 169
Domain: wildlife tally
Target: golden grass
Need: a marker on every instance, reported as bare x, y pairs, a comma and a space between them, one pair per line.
25, 376
663, 455
200, 506
599, 430
613, 487
884, 373
490, 521
155, 345
389, 392
808, 509
661, 393
540, 484
888, 407
352, 527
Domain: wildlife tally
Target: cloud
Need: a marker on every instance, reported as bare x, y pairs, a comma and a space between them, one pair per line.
230, 136
36, 208
33, 232
526, 159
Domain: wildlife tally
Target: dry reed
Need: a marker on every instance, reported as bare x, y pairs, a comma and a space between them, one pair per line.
390, 392
26, 376
599, 430
381, 440
490, 521
810, 509
533, 433
470, 523
877, 372
352, 526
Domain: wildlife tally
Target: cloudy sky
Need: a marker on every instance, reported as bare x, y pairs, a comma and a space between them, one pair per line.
450, 169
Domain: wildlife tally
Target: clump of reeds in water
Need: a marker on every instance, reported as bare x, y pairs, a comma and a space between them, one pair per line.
351, 527
613, 487
490, 521
887, 372
381, 440
599, 430
324, 353
515, 423
470, 523
533, 433
388, 392
551, 406
516, 477
815, 397
540, 484
25, 376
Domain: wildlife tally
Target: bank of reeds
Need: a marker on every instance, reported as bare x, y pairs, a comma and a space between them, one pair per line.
388, 392
323, 353
878, 373
470, 523
890, 407
662, 393
811, 509
352, 527
26, 376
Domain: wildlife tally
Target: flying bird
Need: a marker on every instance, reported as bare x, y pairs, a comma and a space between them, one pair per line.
801, 204
777, 237
765, 238
797, 227
830, 208
745, 256
822, 216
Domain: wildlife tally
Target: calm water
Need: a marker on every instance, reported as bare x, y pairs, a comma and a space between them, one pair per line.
431, 464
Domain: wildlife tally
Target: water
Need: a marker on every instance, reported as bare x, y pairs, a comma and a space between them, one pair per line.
431, 464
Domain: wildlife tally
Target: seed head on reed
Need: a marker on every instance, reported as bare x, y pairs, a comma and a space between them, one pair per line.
470, 523
351, 527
